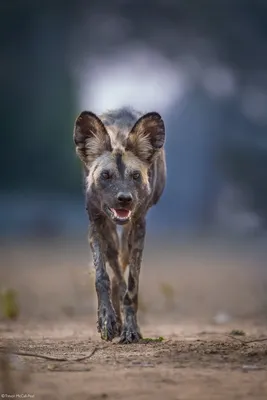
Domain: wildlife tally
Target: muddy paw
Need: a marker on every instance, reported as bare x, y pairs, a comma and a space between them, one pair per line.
130, 334
107, 324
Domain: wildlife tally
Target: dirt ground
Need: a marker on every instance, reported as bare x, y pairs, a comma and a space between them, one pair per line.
195, 303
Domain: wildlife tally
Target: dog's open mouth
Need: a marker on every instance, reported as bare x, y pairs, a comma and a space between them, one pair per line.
121, 214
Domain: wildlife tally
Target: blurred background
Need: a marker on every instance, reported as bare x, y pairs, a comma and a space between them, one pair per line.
202, 65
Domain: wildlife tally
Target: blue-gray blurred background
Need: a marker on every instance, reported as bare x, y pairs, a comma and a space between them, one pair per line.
201, 64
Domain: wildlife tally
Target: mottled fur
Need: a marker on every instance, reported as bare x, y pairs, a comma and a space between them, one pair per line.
124, 162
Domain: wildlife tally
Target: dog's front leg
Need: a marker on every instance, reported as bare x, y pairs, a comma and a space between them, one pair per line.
131, 332
107, 321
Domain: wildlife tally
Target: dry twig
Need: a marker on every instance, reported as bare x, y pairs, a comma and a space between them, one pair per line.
27, 354
245, 342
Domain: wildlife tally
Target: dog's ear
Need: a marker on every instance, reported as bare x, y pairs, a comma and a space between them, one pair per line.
90, 137
147, 136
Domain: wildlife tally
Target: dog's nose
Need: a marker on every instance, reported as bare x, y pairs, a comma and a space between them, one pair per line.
125, 198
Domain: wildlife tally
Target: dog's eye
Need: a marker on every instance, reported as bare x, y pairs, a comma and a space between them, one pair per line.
105, 175
136, 175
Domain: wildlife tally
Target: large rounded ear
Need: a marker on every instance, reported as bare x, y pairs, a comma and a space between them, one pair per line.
90, 137
147, 137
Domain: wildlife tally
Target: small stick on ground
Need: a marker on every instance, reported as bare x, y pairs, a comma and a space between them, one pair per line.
247, 341
27, 354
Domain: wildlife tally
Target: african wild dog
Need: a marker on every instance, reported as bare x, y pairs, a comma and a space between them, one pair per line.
125, 173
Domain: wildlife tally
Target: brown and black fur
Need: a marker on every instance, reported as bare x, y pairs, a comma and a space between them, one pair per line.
124, 162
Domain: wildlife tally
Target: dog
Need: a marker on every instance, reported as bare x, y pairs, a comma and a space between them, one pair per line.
123, 157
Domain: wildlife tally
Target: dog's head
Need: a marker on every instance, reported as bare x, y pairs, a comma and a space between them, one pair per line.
118, 172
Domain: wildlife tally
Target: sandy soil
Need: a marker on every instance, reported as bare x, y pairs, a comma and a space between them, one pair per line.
194, 304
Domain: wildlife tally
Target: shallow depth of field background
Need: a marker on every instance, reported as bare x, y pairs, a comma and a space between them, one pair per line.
202, 65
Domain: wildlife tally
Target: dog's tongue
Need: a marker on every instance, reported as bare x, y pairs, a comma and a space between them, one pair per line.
121, 213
